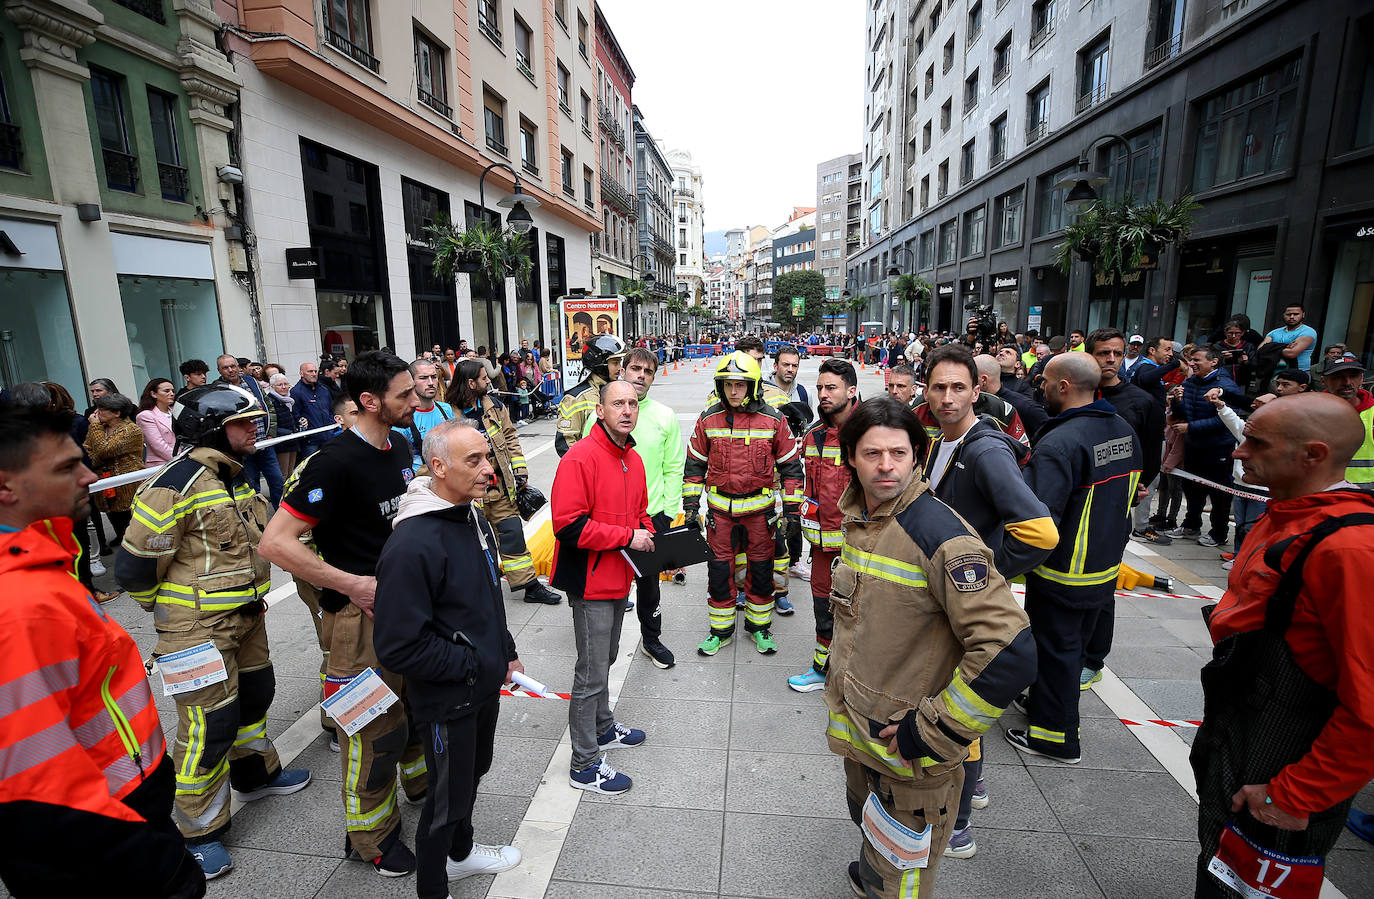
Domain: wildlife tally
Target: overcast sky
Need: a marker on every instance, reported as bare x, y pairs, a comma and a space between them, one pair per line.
738, 84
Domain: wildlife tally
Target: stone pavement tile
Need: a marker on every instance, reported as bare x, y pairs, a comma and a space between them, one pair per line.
543, 639
1155, 661
1143, 632
311, 822
272, 875
551, 670
767, 684
1190, 631
799, 786
1141, 868
569, 889
683, 642
782, 857
1168, 698
693, 677
295, 696
529, 717
649, 848
1162, 608
518, 613
1014, 802
669, 777
1117, 803
1351, 870
324, 765
1090, 705
1127, 610
1027, 865
684, 723
1107, 744
518, 765
783, 728
794, 651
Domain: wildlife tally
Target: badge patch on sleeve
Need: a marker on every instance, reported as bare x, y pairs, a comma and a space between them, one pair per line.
315, 495
158, 543
968, 573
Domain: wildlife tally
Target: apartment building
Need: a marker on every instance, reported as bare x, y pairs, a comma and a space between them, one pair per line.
839, 204
979, 114
654, 182
359, 127
613, 251
690, 211
117, 209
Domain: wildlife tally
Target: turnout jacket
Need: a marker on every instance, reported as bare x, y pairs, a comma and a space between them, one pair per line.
440, 621
983, 484
927, 634
578, 404
193, 538
506, 453
1085, 468
732, 457
827, 478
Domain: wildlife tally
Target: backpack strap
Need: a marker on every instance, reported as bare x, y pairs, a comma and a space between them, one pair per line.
1279, 611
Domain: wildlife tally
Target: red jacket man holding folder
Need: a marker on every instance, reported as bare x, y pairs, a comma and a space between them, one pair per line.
600, 509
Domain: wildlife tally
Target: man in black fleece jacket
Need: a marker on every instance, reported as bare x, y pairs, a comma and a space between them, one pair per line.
441, 624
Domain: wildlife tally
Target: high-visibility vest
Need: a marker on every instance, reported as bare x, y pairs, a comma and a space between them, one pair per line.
1361, 468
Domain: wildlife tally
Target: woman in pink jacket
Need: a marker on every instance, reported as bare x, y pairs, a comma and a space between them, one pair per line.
155, 420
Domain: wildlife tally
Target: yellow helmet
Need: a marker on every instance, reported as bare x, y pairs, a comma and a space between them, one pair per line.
739, 366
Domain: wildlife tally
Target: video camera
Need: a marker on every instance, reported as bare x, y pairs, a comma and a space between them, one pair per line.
982, 321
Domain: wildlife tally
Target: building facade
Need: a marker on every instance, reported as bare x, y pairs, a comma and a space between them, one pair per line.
1231, 103
613, 251
689, 222
839, 203
654, 181
115, 204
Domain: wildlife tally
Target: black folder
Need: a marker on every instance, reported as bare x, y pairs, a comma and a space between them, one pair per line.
676, 547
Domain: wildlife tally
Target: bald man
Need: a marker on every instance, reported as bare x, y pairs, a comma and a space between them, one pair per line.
1304, 566
1085, 468
991, 379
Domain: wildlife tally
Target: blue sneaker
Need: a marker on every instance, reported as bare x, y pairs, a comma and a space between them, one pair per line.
783, 606
809, 682
620, 735
600, 777
213, 858
287, 781
740, 599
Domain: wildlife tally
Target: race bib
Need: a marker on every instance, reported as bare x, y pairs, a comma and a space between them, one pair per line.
1259, 873
191, 669
357, 702
903, 847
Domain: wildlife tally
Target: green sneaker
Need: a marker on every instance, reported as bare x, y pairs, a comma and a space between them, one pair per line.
764, 642
1087, 677
712, 644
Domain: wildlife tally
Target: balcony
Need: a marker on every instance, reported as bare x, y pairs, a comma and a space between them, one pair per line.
1042, 34
684, 192
11, 146
1036, 131
942, 192
121, 170
341, 43
1090, 98
569, 191
1165, 51
435, 103
495, 143
149, 9
1000, 74
617, 196
490, 29
522, 65
172, 179
663, 247
567, 110
610, 124
529, 166
997, 158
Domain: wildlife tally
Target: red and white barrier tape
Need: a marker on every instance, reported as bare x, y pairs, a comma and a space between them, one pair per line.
1189, 476
1018, 588
133, 477
1161, 722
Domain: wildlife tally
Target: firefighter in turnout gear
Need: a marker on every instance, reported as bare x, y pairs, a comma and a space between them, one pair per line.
601, 359
827, 477
929, 649
737, 446
470, 394
190, 556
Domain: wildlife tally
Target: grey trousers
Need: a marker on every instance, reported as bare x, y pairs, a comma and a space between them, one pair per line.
596, 630
1140, 513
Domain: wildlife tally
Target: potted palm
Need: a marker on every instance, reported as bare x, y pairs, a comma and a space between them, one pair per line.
1114, 236
479, 249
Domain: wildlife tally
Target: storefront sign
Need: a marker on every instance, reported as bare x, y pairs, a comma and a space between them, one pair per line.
1033, 319
1364, 232
971, 286
945, 290
1006, 281
302, 263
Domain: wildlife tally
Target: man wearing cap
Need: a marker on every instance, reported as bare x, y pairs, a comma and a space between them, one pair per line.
1345, 378
1134, 355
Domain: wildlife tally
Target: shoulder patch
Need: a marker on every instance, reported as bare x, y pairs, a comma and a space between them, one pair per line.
158, 542
968, 573
315, 495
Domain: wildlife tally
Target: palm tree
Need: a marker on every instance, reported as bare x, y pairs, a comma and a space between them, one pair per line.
914, 292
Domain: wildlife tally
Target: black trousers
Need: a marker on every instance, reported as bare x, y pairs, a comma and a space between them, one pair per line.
1100, 643
646, 594
457, 753
1063, 629
1214, 464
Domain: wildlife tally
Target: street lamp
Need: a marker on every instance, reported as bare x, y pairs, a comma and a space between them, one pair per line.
519, 203
1083, 184
894, 272
647, 280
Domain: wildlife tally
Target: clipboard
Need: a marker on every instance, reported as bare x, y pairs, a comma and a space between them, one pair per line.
676, 547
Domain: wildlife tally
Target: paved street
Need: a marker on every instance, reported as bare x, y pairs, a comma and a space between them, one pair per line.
736, 794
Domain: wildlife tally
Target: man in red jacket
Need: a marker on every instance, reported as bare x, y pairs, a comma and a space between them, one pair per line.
1286, 735
84, 764
600, 508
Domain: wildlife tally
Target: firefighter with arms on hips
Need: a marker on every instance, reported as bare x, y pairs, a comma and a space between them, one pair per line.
190, 556
837, 393
470, 394
601, 359
736, 447
929, 649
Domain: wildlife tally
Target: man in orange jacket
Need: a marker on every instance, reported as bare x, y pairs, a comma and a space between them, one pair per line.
84, 763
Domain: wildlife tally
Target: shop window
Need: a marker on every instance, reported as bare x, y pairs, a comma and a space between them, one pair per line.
1246, 130
38, 338
112, 124
169, 320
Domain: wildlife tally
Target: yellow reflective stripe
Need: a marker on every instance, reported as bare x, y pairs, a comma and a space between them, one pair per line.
414, 769
517, 461
517, 563
967, 707
1086, 579
1080, 540
793, 497
745, 434
696, 455
841, 729
888, 569
248, 733
219, 600
738, 506
360, 821
1049, 736
158, 523
830, 452
910, 884
121, 723
691, 488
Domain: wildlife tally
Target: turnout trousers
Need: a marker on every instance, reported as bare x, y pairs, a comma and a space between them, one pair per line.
822, 560
310, 595
516, 563
728, 536
930, 803
371, 756
221, 729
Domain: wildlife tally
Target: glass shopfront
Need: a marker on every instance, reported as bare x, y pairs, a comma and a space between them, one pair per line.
1350, 304
37, 337
1006, 297
944, 303
434, 302
1118, 305
529, 296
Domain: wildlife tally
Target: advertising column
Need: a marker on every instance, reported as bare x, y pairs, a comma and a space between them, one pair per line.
579, 320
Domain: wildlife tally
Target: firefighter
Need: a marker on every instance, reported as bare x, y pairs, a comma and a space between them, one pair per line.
471, 394
190, 556
736, 447
601, 359
837, 392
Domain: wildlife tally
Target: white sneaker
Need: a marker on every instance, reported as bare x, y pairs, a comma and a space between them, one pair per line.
483, 860
97, 567
801, 570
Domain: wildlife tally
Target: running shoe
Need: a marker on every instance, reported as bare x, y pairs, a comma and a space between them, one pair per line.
483, 860
620, 735
213, 858
809, 682
1087, 677
600, 777
961, 844
712, 644
764, 642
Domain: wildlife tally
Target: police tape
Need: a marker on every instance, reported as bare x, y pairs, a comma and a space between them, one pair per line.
133, 477
1189, 476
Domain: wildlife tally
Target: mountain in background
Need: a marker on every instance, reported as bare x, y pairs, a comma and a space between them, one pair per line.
715, 243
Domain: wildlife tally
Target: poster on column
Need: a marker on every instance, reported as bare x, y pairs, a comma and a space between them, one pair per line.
579, 320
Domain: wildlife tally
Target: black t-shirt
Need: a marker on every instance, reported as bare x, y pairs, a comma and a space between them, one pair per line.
349, 492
